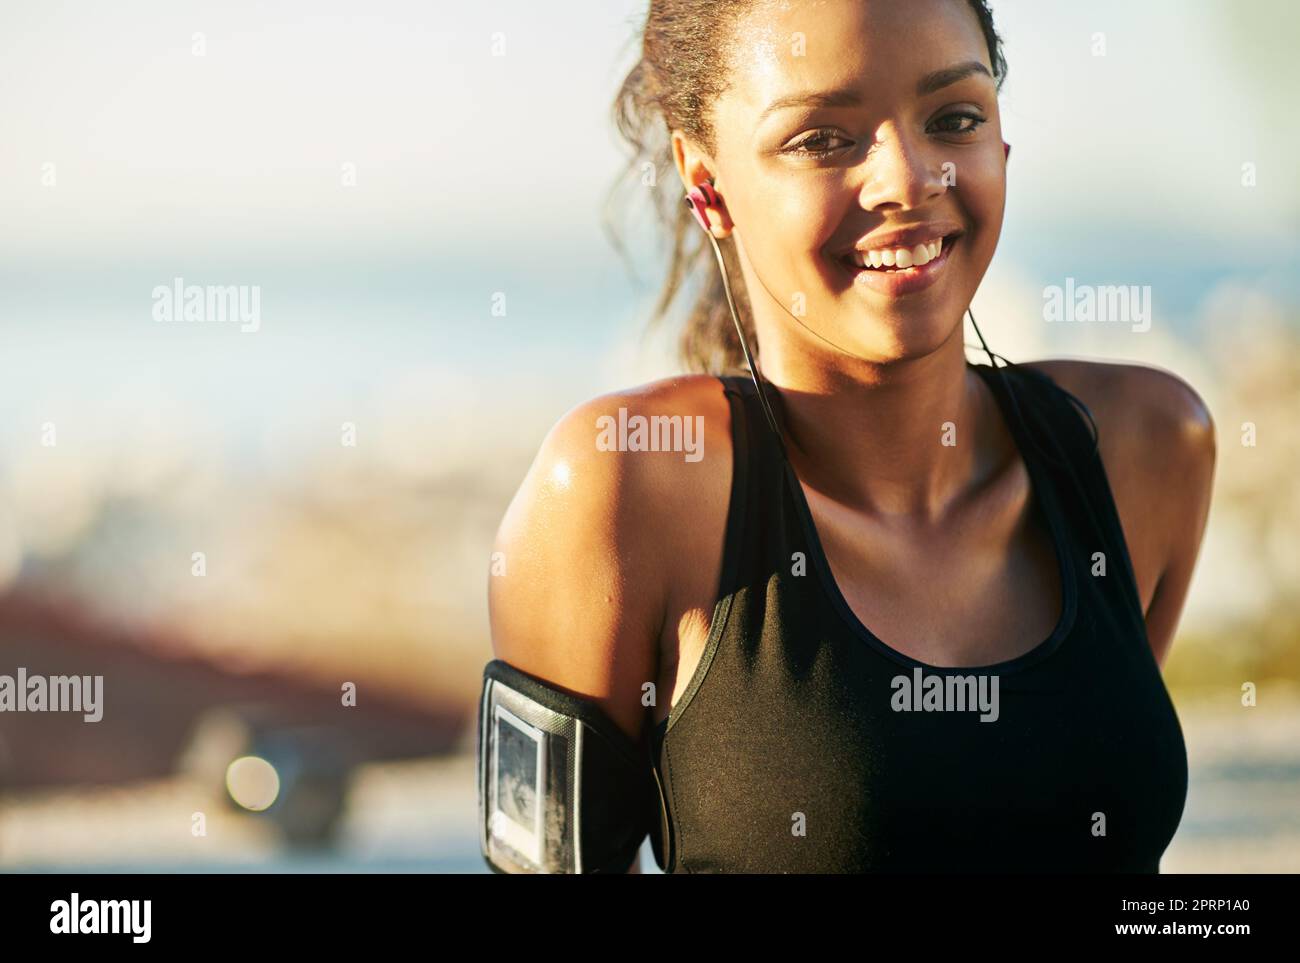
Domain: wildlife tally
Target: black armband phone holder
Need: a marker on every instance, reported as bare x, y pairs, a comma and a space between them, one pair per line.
561, 789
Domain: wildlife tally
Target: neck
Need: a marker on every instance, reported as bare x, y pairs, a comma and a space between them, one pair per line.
897, 439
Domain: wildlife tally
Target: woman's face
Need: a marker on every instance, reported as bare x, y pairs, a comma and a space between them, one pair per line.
861, 125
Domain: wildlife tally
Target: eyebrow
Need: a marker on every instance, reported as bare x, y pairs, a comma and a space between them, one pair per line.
851, 97
950, 75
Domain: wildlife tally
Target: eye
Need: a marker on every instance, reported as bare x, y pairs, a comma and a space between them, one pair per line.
952, 123
813, 144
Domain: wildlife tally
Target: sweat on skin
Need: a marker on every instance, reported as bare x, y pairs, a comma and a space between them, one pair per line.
653, 433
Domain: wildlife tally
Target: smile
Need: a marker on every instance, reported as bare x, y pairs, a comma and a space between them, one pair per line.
900, 270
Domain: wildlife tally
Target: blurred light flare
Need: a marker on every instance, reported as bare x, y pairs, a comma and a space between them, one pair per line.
253, 783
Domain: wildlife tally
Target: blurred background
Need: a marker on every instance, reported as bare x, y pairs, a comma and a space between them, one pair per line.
236, 525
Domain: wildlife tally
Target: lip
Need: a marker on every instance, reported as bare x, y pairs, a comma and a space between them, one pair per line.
907, 236
896, 283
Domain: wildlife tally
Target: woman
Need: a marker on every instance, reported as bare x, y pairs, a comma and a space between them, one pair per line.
787, 625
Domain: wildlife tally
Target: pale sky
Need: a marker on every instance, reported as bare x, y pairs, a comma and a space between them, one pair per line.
154, 146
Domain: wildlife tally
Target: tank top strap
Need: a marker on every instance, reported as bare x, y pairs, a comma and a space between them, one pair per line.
1058, 413
1066, 442
754, 529
743, 498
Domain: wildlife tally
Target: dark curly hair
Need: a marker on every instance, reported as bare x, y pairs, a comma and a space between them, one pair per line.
680, 73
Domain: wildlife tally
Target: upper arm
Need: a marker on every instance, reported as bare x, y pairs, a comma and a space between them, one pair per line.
1157, 444
1183, 478
578, 596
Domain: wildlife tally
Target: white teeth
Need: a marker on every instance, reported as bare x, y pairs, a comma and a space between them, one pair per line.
899, 257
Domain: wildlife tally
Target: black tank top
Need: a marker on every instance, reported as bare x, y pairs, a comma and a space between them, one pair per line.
790, 751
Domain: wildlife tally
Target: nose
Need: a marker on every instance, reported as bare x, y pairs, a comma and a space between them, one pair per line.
900, 173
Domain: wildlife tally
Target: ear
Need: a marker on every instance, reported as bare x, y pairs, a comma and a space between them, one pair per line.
695, 168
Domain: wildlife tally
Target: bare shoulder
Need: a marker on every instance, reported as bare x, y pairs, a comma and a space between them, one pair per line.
583, 559
1137, 398
1157, 444
622, 456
